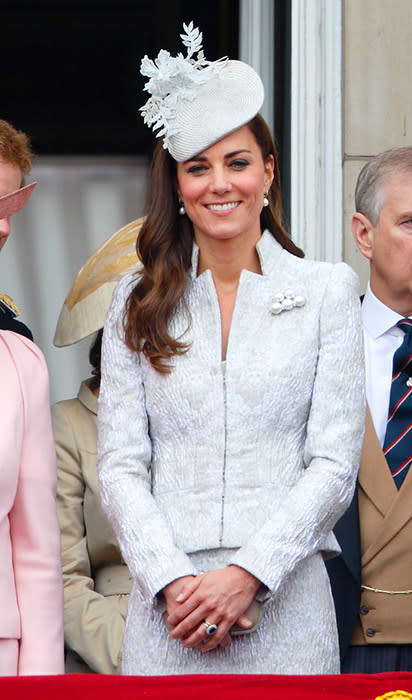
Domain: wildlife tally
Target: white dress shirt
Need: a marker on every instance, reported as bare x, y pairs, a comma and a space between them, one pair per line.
382, 339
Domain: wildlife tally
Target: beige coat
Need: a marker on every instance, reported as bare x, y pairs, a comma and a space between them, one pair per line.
96, 580
385, 515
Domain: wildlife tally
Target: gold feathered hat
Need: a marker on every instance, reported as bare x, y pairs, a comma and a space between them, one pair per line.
85, 307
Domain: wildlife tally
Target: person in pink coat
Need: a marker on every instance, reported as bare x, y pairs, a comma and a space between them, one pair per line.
31, 591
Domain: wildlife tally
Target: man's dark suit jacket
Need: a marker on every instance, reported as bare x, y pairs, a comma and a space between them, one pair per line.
345, 574
9, 323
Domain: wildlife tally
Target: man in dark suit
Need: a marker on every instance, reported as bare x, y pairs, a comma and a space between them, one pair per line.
372, 579
15, 163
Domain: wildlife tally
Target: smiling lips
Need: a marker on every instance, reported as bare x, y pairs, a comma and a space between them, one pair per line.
223, 207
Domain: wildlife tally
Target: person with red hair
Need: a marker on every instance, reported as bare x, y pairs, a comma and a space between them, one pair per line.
31, 589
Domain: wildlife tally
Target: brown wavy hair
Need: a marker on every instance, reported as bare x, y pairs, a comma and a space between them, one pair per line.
165, 246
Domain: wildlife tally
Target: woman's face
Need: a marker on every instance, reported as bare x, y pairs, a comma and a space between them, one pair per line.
222, 188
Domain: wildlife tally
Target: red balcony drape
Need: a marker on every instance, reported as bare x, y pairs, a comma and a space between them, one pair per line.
210, 687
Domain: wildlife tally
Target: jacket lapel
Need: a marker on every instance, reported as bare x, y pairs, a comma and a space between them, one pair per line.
374, 474
376, 480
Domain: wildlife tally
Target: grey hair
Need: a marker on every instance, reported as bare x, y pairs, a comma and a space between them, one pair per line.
369, 189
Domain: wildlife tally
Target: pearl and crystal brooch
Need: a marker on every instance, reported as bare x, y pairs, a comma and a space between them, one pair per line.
286, 301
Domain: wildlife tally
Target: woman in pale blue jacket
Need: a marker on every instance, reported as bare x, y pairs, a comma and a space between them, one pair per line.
231, 407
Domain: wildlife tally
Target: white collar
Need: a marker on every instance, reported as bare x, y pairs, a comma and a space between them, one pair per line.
377, 317
268, 250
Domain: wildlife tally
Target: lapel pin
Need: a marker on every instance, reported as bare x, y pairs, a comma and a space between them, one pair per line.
409, 381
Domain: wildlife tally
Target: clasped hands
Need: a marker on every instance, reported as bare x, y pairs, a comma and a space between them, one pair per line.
220, 597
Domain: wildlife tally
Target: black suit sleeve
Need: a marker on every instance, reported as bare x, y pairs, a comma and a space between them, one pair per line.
345, 574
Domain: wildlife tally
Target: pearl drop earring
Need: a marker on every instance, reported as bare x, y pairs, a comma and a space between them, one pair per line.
265, 200
182, 209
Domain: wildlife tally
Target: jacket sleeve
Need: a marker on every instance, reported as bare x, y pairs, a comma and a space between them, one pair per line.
34, 528
124, 457
333, 443
93, 624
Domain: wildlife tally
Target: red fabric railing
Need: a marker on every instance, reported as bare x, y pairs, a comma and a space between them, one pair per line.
226, 687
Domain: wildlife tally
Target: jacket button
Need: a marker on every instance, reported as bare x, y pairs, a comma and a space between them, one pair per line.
370, 632
364, 610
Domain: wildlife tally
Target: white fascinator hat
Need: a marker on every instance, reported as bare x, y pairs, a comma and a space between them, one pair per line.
195, 102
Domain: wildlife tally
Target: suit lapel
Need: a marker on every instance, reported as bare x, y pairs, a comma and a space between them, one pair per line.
376, 480
374, 475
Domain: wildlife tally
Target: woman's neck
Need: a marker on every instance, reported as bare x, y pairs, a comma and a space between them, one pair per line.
226, 259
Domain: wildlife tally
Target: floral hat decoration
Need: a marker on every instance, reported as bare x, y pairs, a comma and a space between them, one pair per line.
195, 102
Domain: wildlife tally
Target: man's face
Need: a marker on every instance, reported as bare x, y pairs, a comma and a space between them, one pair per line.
10, 180
390, 245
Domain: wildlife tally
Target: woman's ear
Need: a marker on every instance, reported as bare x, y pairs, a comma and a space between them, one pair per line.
362, 230
269, 168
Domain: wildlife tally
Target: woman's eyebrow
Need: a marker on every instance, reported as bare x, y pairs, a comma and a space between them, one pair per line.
236, 153
201, 159
197, 159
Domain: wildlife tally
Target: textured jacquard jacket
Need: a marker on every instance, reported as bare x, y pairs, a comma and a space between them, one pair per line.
261, 458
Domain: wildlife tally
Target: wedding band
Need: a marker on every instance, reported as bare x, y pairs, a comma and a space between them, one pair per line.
210, 628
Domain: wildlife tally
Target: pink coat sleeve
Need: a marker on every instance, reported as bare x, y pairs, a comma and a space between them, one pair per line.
34, 531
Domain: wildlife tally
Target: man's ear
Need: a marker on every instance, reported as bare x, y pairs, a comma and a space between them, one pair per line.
362, 230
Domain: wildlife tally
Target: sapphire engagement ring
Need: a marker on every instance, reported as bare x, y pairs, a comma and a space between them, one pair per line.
210, 628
